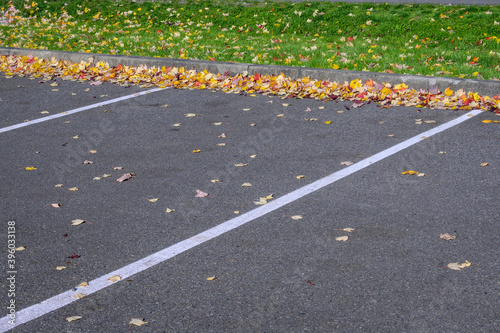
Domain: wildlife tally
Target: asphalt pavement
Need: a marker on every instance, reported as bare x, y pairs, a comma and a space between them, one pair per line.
280, 271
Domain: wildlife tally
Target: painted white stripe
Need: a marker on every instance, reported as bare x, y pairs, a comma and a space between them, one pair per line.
88, 107
102, 282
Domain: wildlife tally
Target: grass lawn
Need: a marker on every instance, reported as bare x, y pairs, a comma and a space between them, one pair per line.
456, 41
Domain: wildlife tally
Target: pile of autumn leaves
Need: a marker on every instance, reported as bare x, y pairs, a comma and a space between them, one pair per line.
384, 94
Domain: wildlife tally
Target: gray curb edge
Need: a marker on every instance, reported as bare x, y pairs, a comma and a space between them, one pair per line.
483, 87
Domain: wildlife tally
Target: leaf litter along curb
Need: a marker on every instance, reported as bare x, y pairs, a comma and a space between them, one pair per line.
384, 94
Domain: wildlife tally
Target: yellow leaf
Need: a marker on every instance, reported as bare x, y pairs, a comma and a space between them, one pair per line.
328, 122
246, 109
269, 197
342, 238
75, 137
77, 222
73, 318
114, 278
137, 322
20, 248
44, 112
448, 92
196, 151
58, 185
168, 210
153, 200
348, 229
106, 175
262, 201
253, 156
457, 266
246, 185
83, 284
285, 104
214, 180
73, 189
176, 125
190, 114
221, 144
60, 268
217, 124
409, 172
296, 217
211, 278
447, 236
300, 176
30, 168
241, 165
484, 164
236, 212
487, 121
79, 295
92, 151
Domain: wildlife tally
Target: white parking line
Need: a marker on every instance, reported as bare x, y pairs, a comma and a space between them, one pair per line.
83, 108
65, 298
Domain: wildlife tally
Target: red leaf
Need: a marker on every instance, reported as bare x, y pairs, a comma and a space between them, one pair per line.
309, 281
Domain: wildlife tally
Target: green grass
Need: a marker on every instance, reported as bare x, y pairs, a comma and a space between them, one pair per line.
455, 41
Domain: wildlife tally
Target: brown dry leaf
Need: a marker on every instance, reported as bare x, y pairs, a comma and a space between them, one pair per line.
342, 238
200, 194
73, 318
86, 162
20, 248
83, 284
73, 189
60, 268
125, 177
447, 236
297, 217
211, 278
77, 222
346, 163
246, 185
114, 278
348, 229
484, 164
241, 165
79, 295
137, 322
153, 200
56, 205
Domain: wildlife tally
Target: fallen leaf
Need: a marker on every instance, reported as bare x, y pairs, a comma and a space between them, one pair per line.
165, 106
211, 278
214, 180
346, 163
223, 135
60, 268
83, 284
54, 84
196, 151
420, 174
310, 119
44, 112
442, 152
92, 151
106, 175
137, 322
176, 125
153, 200
221, 144
77, 222
328, 122
114, 278
310, 282
200, 194
429, 121
190, 114
117, 168
308, 110
75, 137
348, 229
125, 176
88, 162
56, 205
457, 266
280, 115
300, 176
73, 189
285, 104
246, 185
342, 238
296, 217
484, 164
73, 318
340, 111
79, 295
409, 172
246, 109
30, 168
58, 185
447, 236
20, 248
241, 165
253, 156
217, 124
321, 107
97, 178
168, 210
236, 211
262, 201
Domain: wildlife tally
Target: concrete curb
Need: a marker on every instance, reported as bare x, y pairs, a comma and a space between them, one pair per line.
483, 87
